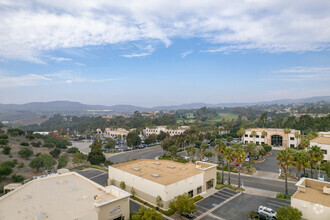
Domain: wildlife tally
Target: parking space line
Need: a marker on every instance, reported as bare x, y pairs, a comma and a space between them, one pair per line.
98, 175
273, 204
219, 197
227, 194
278, 202
201, 207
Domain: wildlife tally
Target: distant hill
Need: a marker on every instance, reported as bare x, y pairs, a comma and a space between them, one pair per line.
67, 107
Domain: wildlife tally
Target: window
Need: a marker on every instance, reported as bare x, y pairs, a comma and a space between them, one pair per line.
292, 145
292, 138
262, 143
257, 142
324, 151
209, 184
246, 142
119, 218
191, 193
246, 135
199, 190
257, 136
262, 136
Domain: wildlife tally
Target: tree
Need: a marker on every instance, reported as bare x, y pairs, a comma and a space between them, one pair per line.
254, 134
25, 153
239, 156
159, 202
173, 150
229, 155
79, 157
263, 119
219, 150
327, 168
304, 143
6, 150
96, 156
111, 143
55, 153
122, 185
133, 139
44, 160
288, 212
300, 161
5, 171
251, 150
182, 204
162, 135
315, 155
285, 160
146, 214
198, 143
151, 139
267, 148
240, 133
191, 151
62, 161
287, 131
262, 152
264, 134
72, 150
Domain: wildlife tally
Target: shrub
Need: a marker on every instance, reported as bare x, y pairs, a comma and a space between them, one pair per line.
8, 164
34, 144
17, 178
15, 161
25, 153
3, 136
55, 153
288, 212
3, 141
25, 144
48, 145
6, 150
30, 136
72, 150
62, 161
282, 196
20, 165
122, 185
15, 132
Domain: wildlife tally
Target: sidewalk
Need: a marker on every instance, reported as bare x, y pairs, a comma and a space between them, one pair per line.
259, 192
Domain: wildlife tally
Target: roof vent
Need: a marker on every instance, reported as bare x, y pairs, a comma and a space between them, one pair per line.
155, 175
40, 216
136, 169
157, 163
25, 197
172, 167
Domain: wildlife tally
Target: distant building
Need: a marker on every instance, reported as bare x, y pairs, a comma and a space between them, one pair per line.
164, 178
116, 132
65, 196
274, 137
171, 132
323, 141
41, 132
312, 198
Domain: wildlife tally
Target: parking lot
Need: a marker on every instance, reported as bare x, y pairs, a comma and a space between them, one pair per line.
214, 200
98, 176
239, 207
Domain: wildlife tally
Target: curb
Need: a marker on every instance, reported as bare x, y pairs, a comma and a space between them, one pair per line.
164, 216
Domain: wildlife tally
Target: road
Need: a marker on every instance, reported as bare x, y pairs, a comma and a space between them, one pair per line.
270, 163
146, 153
265, 184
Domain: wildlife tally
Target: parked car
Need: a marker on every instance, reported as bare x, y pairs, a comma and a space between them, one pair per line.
267, 211
236, 164
262, 216
186, 157
205, 159
247, 159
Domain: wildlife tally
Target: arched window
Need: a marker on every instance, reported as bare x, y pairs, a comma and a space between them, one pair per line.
277, 140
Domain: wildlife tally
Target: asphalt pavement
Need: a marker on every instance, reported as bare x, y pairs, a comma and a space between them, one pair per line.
270, 163
146, 153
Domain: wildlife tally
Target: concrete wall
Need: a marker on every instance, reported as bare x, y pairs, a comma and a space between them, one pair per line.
114, 210
311, 210
209, 174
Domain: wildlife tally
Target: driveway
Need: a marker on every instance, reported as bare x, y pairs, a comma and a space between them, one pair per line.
98, 176
146, 153
238, 207
270, 163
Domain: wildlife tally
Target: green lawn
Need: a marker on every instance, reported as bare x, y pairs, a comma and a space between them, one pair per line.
225, 116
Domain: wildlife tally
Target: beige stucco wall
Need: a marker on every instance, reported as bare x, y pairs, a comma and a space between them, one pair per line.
310, 210
122, 207
323, 147
209, 174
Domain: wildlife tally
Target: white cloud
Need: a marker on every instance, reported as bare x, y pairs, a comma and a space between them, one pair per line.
64, 77
186, 53
300, 74
31, 28
60, 59
135, 55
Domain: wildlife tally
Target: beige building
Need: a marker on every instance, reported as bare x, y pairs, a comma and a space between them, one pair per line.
164, 178
171, 132
312, 199
118, 132
323, 141
65, 196
274, 137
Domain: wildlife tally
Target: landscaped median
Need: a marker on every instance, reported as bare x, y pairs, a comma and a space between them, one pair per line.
235, 188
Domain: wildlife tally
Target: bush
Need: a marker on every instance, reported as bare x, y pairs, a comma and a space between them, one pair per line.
282, 196
25, 144
17, 178
197, 198
8, 164
25, 153
72, 150
3, 136
288, 212
15, 132
34, 144
48, 145
21, 165
30, 136
15, 161
3, 141
6, 150
55, 153
122, 185
62, 161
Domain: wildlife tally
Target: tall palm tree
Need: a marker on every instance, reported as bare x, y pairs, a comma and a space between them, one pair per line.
229, 155
297, 136
240, 133
250, 149
264, 133
239, 155
300, 161
220, 150
287, 131
315, 155
285, 160
254, 134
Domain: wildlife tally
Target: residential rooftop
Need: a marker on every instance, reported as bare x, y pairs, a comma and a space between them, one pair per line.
65, 196
164, 172
314, 191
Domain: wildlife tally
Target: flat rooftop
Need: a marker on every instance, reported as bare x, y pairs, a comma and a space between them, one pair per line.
321, 140
65, 196
312, 191
270, 129
164, 172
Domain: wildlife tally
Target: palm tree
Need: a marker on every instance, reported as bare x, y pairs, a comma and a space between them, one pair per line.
300, 161
284, 160
239, 155
287, 131
240, 133
297, 136
229, 158
220, 150
250, 149
315, 155
264, 133
254, 134
304, 142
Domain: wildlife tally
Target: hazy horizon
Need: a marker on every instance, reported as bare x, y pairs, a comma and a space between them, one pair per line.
160, 53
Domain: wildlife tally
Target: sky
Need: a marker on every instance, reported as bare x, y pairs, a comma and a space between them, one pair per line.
151, 53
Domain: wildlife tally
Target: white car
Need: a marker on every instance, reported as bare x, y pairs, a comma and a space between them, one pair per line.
186, 157
267, 211
205, 159
247, 159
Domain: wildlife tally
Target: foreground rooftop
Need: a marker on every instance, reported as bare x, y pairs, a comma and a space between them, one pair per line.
164, 172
